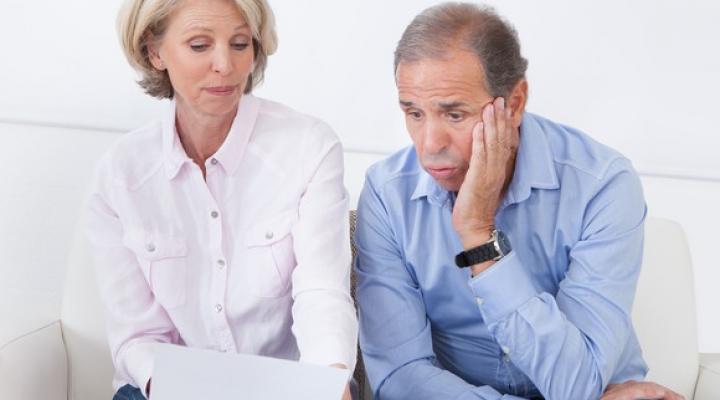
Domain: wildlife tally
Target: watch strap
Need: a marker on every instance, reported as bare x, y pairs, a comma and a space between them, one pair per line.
477, 255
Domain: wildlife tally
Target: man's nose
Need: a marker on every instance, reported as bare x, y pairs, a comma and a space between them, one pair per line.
435, 138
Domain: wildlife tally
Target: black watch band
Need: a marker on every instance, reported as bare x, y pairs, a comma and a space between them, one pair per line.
494, 249
476, 255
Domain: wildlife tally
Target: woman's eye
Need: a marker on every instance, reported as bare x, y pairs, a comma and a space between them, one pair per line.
197, 47
240, 46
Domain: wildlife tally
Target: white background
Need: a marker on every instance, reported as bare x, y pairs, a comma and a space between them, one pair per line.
641, 76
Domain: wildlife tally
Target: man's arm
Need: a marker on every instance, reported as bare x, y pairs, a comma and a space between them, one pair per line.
394, 331
571, 344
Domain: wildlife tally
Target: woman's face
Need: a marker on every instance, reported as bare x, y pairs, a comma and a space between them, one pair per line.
207, 51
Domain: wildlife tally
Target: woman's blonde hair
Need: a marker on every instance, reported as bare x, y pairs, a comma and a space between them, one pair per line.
142, 20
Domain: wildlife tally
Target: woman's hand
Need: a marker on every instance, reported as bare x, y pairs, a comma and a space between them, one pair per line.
346, 394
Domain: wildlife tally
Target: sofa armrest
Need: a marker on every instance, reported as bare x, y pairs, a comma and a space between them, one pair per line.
708, 384
33, 366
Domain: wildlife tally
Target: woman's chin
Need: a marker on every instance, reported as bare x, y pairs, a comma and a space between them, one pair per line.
219, 106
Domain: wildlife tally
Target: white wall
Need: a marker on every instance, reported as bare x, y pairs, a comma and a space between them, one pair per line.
640, 76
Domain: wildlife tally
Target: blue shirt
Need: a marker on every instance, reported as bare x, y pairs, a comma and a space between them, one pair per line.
551, 319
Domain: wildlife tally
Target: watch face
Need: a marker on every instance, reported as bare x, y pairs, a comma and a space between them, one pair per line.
504, 243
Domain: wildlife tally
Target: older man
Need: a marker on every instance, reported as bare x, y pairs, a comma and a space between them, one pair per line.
498, 256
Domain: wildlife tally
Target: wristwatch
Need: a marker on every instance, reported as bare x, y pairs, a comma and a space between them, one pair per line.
497, 247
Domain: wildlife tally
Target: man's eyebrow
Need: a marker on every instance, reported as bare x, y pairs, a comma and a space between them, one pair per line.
451, 105
406, 103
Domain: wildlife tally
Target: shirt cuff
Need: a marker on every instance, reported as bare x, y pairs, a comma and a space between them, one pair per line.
502, 288
328, 352
139, 361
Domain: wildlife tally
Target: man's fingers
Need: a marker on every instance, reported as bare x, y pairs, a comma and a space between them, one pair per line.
490, 139
490, 127
650, 390
503, 136
513, 134
478, 146
639, 390
477, 157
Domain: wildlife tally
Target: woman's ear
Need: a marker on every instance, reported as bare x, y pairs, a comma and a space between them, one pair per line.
517, 100
153, 53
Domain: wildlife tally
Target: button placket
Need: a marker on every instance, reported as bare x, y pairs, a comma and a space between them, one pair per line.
219, 277
506, 354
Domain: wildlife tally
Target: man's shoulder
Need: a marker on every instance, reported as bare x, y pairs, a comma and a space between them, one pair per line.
399, 171
577, 152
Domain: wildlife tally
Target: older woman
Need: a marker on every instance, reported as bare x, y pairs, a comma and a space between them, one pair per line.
224, 225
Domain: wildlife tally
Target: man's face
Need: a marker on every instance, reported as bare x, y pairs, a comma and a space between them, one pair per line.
443, 100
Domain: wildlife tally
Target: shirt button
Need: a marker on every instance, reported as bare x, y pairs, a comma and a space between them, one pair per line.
214, 214
221, 263
505, 350
150, 247
269, 235
218, 308
214, 161
479, 301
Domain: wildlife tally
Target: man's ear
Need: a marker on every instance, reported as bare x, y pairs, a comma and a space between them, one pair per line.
517, 100
153, 53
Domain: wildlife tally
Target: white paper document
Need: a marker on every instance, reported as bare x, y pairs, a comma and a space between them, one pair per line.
182, 373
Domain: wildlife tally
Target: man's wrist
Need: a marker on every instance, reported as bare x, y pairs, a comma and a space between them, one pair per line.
475, 238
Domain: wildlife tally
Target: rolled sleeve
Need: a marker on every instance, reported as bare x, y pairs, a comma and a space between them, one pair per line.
139, 361
324, 317
135, 321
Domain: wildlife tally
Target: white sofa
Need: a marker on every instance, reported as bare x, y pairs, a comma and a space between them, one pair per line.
53, 346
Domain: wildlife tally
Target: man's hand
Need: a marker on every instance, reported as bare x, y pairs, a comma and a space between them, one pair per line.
495, 143
633, 390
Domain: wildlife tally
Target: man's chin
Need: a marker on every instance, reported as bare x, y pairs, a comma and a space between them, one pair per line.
447, 178
451, 184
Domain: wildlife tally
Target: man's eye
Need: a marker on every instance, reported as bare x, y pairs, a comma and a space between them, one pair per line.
414, 114
455, 117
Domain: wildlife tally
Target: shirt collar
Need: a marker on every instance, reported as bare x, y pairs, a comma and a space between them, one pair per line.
230, 153
534, 168
427, 187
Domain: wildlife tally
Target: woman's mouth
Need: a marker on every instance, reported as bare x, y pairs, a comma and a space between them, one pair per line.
221, 90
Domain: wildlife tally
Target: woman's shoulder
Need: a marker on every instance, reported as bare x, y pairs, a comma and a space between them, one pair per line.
277, 119
134, 157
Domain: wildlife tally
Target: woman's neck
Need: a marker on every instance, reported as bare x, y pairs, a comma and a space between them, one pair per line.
201, 134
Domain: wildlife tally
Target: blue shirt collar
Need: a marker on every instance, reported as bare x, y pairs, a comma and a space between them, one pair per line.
534, 168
